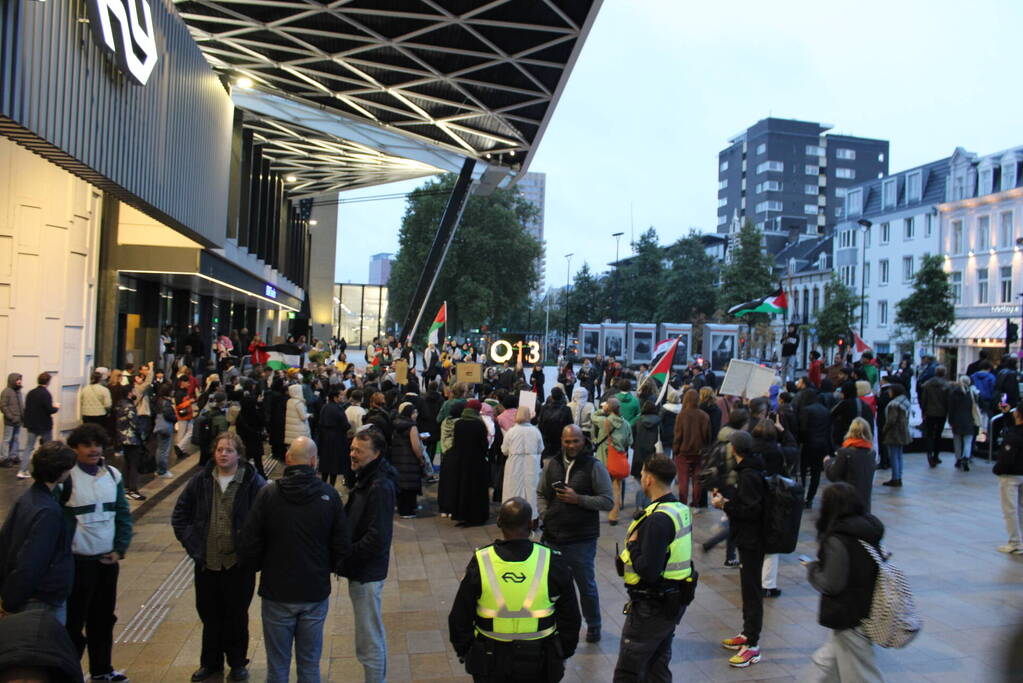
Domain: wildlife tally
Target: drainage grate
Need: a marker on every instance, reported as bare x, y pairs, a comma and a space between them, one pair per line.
152, 613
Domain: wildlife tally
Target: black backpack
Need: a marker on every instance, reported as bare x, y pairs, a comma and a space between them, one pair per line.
202, 430
783, 512
713, 466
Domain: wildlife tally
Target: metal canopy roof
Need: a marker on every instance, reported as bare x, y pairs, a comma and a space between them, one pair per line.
477, 78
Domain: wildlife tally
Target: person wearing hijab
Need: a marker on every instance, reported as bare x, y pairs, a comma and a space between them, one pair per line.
472, 505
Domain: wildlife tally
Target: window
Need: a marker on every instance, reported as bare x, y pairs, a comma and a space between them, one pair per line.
768, 206
1006, 284
928, 224
810, 209
723, 167
847, 173
723, 184
866, 274
883, 271
907, 268
841, 192
847, 274
1005, 231
814, 151
722, 201
848, 154
889, 193
839, 212
886, 233
867, 232
812, 170
811, 189
761, 148
768, 186
722, 219
982, 286
983, 233
766, 166
986, 181
957, 287
854, 203
913, 183
1008, 175
957, 237
847, 238
822, 264
865, 312
908, 228
882, 314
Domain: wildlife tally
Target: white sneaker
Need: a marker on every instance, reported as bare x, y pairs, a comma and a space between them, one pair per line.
1007, 548
23, 475
166, 475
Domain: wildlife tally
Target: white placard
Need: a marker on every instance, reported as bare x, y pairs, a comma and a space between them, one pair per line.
747, 379
527, 399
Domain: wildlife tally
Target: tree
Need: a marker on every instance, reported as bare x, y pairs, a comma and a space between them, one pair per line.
490, 269
928, 311
838, 315
748, 274
588, 300
638, 279
689, 286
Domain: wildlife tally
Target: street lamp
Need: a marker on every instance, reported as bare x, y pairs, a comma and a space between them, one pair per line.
568, 280
618, 239
865, 224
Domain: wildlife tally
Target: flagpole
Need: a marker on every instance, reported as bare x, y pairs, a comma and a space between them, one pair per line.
445, 337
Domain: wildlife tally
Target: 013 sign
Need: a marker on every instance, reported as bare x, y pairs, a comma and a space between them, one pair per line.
502, 351
133, 35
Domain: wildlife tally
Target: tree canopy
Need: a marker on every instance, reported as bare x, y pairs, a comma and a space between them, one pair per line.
839, 313
689, 285
929, 311
749, 273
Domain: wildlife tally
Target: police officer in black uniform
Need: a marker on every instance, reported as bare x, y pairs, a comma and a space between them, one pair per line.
501, 637
659, 577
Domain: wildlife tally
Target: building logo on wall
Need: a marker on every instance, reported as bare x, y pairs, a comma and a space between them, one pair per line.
116, 25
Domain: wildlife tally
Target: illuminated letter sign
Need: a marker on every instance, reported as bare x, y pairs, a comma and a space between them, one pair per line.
131, 36
271, 291
502, 350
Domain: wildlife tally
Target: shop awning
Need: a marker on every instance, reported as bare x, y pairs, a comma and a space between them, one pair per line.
977, 331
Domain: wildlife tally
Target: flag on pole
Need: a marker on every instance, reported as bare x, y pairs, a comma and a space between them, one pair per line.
662, 346
283, 356
442, 317
662, 368
775, 302
859, 345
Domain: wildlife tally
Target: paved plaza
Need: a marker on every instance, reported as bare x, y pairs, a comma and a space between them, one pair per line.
943, 527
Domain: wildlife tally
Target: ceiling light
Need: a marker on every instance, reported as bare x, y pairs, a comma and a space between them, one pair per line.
511, 153
487, 155
244, 82
313, 221
291, 178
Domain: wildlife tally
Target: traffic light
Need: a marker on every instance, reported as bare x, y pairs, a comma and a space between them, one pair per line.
1011, 332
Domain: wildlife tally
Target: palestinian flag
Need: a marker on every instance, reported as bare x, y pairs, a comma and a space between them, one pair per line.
442, 317
661, 347
662, 368
283, 356
772, 303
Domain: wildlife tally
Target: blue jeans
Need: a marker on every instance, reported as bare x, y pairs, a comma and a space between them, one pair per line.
11, 447
580, 557
370, 638
298, 622
163, 450
34, 439
895, 457
962, 444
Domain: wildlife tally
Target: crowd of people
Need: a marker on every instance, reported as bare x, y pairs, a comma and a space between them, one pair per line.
555, 461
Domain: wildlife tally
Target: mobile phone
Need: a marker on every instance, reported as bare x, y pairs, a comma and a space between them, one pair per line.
558, 485
805, 559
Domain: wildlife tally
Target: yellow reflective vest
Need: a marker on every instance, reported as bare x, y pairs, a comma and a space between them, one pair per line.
679, 565
514, 602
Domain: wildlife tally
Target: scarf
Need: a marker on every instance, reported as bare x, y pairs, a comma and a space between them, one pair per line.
857, 443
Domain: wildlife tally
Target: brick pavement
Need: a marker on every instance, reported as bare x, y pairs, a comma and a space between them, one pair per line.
943, 528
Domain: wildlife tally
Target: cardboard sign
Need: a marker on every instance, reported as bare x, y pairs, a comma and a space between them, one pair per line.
527, 399
747, 379
401, 371
469, 373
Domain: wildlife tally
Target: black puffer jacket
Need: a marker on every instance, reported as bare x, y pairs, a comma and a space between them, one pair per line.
815, 427
370, 509
844, 572
403, 457
745, 507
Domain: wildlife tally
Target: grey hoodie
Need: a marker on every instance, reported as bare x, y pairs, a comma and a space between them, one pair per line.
12, 403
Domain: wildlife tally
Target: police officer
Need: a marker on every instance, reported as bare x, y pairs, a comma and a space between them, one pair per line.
515, 617
659, 577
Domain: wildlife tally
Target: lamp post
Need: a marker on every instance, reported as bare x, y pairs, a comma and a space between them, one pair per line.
568, 280
865, 224
618, 239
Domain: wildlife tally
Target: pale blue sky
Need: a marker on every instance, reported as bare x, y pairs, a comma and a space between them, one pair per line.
661, 85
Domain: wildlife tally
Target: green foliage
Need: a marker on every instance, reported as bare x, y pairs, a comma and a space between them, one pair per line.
928, 312
589, 299
689, 286
490, 269
838, 315
748, 275
636, 282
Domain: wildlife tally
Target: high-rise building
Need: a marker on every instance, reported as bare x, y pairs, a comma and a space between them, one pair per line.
380, 268
533, 188
790, 178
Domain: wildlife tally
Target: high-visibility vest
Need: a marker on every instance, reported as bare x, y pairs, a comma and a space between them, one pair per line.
679, 565
514, 602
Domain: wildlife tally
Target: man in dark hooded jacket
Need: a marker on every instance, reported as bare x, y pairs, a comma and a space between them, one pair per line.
296, 535
12, 405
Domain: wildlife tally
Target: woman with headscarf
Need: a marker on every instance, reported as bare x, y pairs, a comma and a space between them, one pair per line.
472, 504
450, 471
522, 445
582, 410
250, 425
332, 444
275, 404
964, 418
407, 458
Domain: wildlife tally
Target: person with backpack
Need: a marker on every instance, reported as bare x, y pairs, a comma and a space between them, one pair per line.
744, 505
845, 575
211, 423
895, 433
554, 416
815, 443
645, 434
855, 461
717, 471
964, 419
613, 431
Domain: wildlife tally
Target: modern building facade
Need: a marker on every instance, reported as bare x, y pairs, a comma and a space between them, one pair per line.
790, 178
533, 188
380, 268
890, 225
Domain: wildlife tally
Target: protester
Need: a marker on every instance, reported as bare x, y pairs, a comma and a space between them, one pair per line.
370, 509
855, 461
163, 429
208, 519
332, 439
406, 454
692, 436
486, 626
12, 406
94, 401
296, 416
612, 430
646, 433
523, 447
96, 508
554, 415
296, 534
250, 424
896, 435
469, 446
581, 409
848, 409
964, 418
844, 574
574, 487
36, 567
934, 404
630, 405
38, 420
1009, 469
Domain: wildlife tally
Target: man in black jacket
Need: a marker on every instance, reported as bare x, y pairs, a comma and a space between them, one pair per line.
370, 509
37, 569
815, 442
38, 420
1009, 469
296, 535
207, 519
498, 656
745, 509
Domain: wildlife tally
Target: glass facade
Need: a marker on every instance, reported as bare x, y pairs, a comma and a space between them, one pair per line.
361, 313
